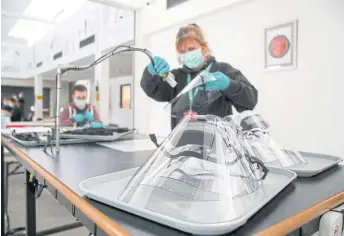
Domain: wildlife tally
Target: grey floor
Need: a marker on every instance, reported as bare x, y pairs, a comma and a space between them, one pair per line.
48, 210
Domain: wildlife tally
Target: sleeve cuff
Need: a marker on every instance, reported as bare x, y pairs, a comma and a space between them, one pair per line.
232, 88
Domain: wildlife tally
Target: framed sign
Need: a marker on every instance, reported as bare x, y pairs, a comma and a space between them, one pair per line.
281, 46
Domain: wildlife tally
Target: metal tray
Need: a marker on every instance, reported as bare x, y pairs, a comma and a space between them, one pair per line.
316, 164
99, 138
107, 188
44, 141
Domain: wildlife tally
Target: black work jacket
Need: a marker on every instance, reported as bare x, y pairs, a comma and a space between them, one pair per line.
240, 93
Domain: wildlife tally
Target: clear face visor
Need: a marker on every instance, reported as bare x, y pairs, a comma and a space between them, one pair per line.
202, 160
262, 144
194, 98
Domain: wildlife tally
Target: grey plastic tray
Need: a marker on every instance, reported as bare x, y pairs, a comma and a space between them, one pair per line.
107, 189
44, 141
99, 138
316, 164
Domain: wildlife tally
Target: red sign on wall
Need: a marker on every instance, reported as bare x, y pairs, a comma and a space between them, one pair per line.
279, 46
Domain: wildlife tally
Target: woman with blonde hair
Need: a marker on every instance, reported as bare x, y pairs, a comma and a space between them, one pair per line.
195, 55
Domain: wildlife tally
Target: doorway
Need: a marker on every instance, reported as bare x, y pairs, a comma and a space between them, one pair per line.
121, 101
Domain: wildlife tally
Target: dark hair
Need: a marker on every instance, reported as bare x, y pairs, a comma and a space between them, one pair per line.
6, 108
79, 88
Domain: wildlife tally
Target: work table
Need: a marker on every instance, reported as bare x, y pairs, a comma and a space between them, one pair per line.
76, 163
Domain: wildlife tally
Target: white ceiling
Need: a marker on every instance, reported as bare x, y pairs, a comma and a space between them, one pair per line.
15, 6
119, 65
18, 7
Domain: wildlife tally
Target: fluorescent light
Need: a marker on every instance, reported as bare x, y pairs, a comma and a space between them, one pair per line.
49, 10
32, 31
52, 9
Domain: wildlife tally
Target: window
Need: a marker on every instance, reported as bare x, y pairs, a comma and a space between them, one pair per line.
39, 64
173, 3
57, 55
125, 96
87, 41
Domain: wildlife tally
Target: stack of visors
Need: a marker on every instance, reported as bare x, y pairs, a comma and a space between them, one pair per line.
210, 174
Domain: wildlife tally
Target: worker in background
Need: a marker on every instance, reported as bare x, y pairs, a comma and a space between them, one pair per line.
6, 113
16, 111
79, 113
21, 101
195, 55
5, 103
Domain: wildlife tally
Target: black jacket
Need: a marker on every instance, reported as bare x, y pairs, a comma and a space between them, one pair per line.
16, 114
240, 93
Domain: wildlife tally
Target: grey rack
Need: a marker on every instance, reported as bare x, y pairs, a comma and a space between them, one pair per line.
99, 138
44, 141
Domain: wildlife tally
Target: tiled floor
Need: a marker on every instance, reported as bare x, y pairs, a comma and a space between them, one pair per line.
48, 210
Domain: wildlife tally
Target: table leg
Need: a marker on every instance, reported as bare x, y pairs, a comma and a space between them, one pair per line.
5, 223
5, 188
2, 193
30, 206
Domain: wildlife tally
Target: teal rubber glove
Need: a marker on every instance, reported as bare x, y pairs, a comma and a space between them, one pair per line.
221, 83
96, 125
160, 66
89, 116
79, 118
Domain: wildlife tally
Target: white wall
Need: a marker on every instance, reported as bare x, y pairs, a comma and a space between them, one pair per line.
180, 13
303, 105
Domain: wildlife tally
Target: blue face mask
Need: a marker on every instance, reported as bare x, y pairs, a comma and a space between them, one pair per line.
80, 103
193, 59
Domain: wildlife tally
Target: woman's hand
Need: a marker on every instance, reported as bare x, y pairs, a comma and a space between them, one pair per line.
160, 66
221, 83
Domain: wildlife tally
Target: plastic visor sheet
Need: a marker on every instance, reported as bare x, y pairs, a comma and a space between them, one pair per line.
262, 144
194, 97
200, 173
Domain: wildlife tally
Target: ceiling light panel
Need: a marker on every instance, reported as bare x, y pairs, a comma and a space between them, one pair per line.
53, 9
32, 31
48, 10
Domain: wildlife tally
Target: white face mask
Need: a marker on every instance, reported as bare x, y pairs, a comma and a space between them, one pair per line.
192, 59
80, 103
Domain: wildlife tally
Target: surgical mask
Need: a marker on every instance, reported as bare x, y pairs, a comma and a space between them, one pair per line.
80, 103
4, 115
192, 59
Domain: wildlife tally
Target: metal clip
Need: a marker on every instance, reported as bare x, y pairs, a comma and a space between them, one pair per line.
38, 187
39, 190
